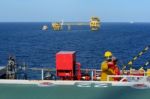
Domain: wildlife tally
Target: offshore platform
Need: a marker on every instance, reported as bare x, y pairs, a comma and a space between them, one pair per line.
94, 24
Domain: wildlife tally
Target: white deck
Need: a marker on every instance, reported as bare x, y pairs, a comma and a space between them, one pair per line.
59, 82
131, 80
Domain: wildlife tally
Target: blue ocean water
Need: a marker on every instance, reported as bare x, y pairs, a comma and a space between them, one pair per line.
37, 48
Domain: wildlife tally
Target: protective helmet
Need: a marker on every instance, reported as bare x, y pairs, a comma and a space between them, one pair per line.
108, 54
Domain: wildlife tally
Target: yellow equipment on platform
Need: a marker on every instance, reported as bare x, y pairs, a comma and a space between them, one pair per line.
148, 72
94, 23
56, 26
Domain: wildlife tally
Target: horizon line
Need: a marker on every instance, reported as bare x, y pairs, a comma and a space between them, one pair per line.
73, 21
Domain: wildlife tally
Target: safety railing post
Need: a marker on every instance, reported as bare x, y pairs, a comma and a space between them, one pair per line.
42, 74
108, 78
92, 75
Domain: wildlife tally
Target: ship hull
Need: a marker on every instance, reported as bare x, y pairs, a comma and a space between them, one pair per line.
70, 92
36, 89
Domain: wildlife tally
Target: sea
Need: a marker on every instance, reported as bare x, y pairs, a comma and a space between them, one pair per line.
29, 44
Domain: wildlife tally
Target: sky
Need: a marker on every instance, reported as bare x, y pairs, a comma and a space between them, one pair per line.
74, 10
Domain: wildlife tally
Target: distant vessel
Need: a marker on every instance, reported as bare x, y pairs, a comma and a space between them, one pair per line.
94, 23
45, 27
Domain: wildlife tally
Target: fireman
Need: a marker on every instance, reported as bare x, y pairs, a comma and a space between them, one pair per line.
107, 66
116, 68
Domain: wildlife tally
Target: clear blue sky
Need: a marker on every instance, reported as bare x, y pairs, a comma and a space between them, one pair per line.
74, 10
